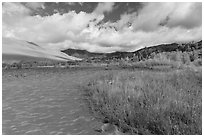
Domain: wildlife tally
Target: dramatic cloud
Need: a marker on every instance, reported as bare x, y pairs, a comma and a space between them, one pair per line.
155, 23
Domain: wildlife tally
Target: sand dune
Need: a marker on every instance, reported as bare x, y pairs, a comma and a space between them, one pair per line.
18, 50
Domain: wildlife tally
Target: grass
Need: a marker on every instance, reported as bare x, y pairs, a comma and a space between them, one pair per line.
154, 63
147, 102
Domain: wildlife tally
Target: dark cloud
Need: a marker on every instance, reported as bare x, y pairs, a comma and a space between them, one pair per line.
165, 21
65, 7
122, 8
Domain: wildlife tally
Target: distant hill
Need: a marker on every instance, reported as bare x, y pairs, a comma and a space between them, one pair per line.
82, 53
141, 54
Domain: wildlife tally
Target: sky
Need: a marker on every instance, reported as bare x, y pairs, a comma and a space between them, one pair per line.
102, 27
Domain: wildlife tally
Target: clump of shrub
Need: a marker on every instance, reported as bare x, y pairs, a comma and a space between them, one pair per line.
180, 57
175, 59
144, 102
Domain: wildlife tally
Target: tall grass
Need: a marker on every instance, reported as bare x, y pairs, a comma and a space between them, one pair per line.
145, 102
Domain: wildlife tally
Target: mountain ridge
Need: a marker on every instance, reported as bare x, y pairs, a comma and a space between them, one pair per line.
141, 53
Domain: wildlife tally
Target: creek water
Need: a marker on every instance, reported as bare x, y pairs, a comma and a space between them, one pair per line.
46, 103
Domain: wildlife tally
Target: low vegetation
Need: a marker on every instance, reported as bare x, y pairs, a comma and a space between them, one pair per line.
147, 102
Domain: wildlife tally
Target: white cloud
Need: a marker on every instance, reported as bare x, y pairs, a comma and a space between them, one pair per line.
181, 22
10, 10
104, 7
186, 15
35, 5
